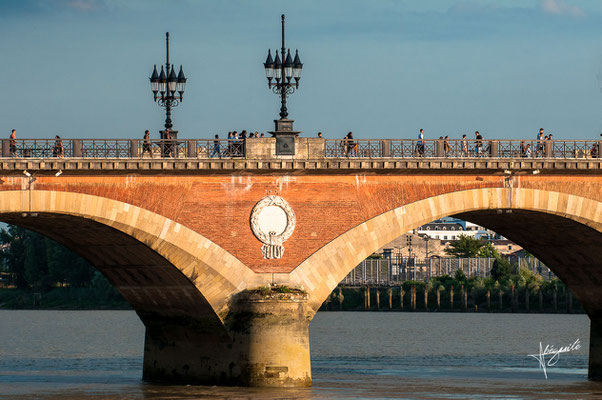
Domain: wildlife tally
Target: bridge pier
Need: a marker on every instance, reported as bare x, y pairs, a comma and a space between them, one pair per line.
265, 342
595, 349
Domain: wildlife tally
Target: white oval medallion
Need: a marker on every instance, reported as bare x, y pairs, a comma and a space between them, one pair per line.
272, 222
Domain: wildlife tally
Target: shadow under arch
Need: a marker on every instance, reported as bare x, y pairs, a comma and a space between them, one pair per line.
156, 263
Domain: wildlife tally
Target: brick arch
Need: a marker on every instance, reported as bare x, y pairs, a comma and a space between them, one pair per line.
320, 273
198, 262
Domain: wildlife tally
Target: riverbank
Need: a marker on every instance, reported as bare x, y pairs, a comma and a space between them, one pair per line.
556, 299
63, 299
418, 296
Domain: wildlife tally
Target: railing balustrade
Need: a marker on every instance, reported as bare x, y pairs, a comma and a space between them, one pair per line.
124, 148
343, 149
398, 269
458, 148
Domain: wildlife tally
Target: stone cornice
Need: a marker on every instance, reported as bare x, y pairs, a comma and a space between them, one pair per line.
300, 166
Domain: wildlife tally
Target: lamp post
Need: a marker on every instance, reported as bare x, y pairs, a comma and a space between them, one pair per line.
280, 72
164, 87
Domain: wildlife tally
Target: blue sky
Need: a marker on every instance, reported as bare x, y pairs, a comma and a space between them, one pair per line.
382, 69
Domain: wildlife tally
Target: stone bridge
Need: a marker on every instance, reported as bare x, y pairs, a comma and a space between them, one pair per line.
196, 245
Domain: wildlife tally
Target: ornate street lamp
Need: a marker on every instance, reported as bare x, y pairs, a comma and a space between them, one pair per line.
280, 72
164, 87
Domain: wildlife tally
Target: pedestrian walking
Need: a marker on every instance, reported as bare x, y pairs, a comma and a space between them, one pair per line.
420, 143
13, 143
146, 144
216, 151
464, 146
550, 146
168, 146
57, 150
540, 143
351, 145
478, 144
241, 143
446, 145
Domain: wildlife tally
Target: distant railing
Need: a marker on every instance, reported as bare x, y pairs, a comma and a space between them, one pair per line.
398, 269
458, 148
353, 149
123, 148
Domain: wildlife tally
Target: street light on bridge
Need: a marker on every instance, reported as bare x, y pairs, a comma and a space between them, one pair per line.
164, 87
280, 72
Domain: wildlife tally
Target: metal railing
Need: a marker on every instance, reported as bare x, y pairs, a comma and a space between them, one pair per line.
123, 148
399, 269
352, 149
458, 148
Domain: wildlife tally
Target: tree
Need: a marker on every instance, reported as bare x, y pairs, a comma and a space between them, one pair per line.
501, 270
464, 247
488, 251
67, 267
12, 240
36, 262
460, 275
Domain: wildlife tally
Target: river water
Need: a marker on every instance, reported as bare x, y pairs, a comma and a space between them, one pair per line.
355, 355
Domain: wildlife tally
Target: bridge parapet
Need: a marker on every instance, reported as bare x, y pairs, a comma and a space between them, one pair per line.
305, 149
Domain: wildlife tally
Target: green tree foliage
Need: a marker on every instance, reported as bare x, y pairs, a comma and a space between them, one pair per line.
460, 276
489, 251
35, 262
13, 254
465, 246
501, 270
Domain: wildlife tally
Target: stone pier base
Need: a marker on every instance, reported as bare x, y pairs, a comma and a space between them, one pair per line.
265, 342
595, 349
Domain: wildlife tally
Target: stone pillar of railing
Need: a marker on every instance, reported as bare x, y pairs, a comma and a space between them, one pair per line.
439, 148
191, 149
547, 152
134, 148
599, 148
385, 148
76, 144
5, 148
494, 148
310, 148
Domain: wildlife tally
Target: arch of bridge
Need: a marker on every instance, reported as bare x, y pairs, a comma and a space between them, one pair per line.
320, 273
215, 272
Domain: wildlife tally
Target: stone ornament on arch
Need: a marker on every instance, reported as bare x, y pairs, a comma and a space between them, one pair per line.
272, 222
